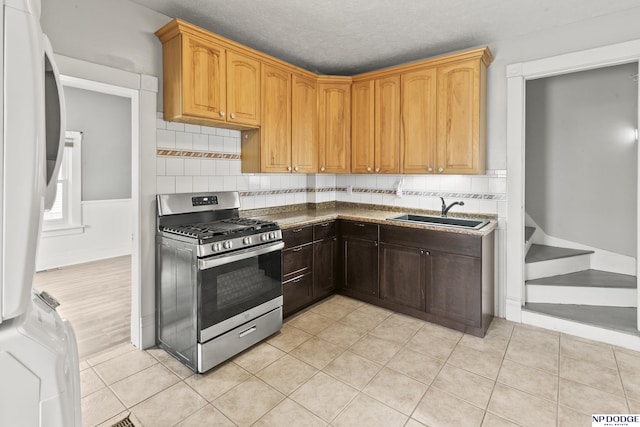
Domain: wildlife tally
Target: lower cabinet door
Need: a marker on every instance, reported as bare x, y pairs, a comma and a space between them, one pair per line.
325, 253
361, 266
403, 275
296, 293
456, 288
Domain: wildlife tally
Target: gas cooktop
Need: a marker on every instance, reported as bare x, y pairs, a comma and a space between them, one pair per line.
221, 229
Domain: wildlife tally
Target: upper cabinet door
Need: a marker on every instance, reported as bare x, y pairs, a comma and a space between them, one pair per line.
275, 132
334, 117
362, 119
204, 77
243, 89
460, 137
387, 124
304, 124
418, 122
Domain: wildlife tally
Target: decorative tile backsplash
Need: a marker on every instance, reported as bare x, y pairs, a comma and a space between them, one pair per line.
199, 158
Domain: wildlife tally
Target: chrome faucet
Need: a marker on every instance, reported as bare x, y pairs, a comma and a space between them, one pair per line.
446, 208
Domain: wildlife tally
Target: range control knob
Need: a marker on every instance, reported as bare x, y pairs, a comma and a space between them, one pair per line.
272, 235
264, 237
246, 240
217, 247
227, 244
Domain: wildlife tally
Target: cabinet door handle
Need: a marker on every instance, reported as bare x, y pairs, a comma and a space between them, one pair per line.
440, 170
322, 169
297, 279
377, 170
359, 224
289, 168
375, 244
297, 230
298, 249
233, 116
221, 113
324, 224
368, 169
430, 169
295, 169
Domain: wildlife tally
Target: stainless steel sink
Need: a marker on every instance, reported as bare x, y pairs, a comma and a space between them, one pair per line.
472, 224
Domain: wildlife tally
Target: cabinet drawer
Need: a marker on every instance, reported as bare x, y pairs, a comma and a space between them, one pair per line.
297, 236
359, 230
296, 293
297, 260
324, 230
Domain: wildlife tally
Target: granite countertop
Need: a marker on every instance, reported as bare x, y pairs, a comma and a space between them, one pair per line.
308, 216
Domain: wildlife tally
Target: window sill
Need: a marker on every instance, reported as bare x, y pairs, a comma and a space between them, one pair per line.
64, 230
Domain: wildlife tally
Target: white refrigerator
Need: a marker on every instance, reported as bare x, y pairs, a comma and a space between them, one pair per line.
39, 370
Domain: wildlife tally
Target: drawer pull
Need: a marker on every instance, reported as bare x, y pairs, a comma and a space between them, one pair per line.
247, 331
297, 230
297, 249
297, 279
359, 224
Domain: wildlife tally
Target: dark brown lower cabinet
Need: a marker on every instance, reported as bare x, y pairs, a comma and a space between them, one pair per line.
360, 266
296, 293
404, 275
457, 294
325, 261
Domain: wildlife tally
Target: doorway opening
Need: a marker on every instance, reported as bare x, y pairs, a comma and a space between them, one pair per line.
88, 266
521, 181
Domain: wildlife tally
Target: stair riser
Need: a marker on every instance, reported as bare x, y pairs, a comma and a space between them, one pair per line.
610, 297
596, 333
557, 267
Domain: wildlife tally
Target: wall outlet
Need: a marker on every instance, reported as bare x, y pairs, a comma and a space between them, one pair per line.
349, 190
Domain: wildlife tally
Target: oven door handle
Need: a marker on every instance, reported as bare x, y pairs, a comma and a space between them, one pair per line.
205, 264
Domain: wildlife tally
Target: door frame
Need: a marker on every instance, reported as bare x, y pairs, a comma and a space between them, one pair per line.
142, 90
517, 75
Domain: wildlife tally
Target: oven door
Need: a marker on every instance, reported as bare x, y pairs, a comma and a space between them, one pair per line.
235, 288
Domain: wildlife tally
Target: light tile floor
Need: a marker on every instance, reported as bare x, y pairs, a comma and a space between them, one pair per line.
345, 363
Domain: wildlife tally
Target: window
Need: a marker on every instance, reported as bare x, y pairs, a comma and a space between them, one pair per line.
65, 216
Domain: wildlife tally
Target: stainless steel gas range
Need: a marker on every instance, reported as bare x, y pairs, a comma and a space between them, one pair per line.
219, 278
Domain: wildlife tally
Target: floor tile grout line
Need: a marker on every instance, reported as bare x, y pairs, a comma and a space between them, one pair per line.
497, 376
624, 389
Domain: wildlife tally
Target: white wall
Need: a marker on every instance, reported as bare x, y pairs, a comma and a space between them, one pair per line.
105, 123
107, 234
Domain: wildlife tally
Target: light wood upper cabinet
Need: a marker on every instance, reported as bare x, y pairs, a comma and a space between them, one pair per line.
205, 82
275, 132
243, 89
202, 93
287, 140
418, 121
334, 121
362, 120
387, 124
461, 122
375, 125
304, 124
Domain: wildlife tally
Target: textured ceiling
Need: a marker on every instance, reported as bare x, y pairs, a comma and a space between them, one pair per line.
347, 37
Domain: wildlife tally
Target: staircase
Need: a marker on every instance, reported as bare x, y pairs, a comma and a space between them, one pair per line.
560, 282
